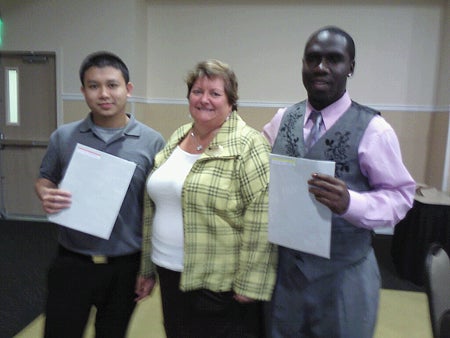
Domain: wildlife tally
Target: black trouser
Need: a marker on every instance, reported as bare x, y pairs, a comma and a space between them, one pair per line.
204, 313
76, 283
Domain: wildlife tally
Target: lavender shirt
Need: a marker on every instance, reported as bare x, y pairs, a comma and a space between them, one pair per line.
380, 159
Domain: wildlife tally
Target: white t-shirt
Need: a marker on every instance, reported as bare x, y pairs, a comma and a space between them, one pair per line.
164, 187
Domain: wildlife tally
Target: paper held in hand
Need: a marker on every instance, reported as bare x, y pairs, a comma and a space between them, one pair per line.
296, 220
98, 183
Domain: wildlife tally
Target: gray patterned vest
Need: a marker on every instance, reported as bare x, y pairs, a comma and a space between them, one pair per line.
349, 244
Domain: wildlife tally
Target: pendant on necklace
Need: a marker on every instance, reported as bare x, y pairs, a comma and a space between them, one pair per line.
198, 147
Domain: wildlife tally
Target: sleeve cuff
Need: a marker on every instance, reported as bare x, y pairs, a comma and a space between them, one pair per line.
356, 209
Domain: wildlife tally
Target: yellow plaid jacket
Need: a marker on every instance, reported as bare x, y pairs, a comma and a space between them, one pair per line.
225, 214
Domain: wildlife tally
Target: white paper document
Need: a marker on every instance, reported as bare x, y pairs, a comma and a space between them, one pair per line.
296, 220
98, 183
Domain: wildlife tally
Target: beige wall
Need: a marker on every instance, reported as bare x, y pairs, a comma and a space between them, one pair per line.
74, 29
166, 118
442, 98
403, 57
397, 57
438, 152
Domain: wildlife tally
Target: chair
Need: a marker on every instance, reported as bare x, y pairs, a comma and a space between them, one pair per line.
437, 285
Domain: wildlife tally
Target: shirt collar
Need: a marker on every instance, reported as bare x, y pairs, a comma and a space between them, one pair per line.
130, 129
333, 112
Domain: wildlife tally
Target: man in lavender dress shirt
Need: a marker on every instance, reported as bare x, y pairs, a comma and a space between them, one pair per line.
337, 297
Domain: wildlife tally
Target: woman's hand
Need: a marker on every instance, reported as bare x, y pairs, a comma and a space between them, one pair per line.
144, 287
243, 299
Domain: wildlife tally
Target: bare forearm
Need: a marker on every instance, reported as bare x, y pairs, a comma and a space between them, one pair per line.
41, 185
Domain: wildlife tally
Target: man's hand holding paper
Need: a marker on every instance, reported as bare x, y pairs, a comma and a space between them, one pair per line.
330, 191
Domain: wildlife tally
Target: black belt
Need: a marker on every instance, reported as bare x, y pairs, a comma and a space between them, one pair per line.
99, 259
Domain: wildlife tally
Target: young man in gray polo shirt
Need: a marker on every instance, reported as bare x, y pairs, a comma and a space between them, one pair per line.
91, 271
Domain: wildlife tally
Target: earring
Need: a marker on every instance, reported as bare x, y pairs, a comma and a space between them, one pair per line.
349, 75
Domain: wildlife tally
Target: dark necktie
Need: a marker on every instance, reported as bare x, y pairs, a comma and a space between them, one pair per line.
314, 135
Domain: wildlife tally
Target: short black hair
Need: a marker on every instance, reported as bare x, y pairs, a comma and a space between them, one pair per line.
339, 31
103, 59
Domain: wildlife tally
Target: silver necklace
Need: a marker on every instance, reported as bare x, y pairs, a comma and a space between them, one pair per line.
198, 146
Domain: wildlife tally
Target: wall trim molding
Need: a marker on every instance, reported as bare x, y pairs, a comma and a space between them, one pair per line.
273, 104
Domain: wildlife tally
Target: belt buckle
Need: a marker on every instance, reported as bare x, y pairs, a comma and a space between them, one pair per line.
99, 259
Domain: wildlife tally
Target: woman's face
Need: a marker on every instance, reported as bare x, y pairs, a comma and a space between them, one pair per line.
208, 102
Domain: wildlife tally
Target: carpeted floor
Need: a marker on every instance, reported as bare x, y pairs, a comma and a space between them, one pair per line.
402, 314
27, 250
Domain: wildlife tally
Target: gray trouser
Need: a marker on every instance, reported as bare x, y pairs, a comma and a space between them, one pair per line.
340, 305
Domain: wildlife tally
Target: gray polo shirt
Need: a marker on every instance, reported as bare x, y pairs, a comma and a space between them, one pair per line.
136, 142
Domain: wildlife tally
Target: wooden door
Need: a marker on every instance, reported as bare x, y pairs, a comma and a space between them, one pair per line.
24, 136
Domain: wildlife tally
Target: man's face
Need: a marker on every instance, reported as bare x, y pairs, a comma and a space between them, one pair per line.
106, 94
326, 65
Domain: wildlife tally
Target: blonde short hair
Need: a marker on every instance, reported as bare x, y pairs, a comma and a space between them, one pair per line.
215, 69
